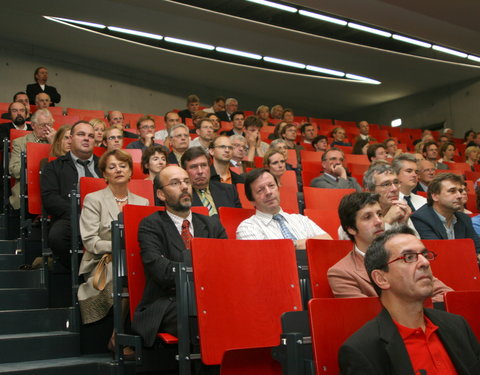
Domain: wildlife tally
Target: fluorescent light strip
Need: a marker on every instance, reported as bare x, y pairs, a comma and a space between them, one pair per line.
189, 43
449, 51
369, 29
362, 79
239, 53
411, 41
322, 17
474, 58
271, 4
83, 23
293, 64
135, 32
318, 69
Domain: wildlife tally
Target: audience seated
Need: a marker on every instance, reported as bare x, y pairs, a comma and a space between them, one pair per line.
179, 140
309, 132
339, 135
215, 122
449, 133
42, 100
221, 151
238, 119
58, 179
361, 147
440, 217
426, 137
115, 119
277, 130
99, 210
430, 152
447, 152
154, 160
472, 155
171, 118
207, 192
43, 132
441, 140
404, 335
270, 221
376, 152
218, 105
364, 128
334, 173
467, 138
162, 237
289, 117
231, 106
19, 97
391, 148
281, 146
263, 114
18, 114
99, 127
240, 158
320, 143
193, 104
476, 140
62, 141
361, 218
40, 86
426, 174
113, 138
205, 134
274, 162
276, 112
289, 135
146, 131
252, 126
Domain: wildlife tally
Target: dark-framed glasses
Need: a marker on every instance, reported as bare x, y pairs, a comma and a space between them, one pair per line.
176, 183
413, 257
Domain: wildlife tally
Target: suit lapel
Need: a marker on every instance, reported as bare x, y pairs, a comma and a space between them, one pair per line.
359, 266
172, 232
442, 232
199, 227
109, 201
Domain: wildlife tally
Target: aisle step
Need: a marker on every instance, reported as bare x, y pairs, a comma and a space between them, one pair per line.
23, 298
35, 320
20, 279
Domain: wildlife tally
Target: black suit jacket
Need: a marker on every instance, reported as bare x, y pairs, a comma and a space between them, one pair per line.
172, 159
34, 88
230, 132
224, 195
5, 131
185, 114
378, 349
57, 180
223, 116
429, 227
161, 248
418, 188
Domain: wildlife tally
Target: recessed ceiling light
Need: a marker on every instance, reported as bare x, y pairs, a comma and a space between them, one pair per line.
239, 53
318, 69
449, 51
284, 62
369, 29
135, 32
189, 43
271, 4
411, 41
396, 122
322, 17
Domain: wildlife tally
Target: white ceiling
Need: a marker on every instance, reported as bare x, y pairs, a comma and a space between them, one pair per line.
401, 75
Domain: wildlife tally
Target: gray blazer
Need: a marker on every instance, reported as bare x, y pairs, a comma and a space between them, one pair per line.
326, 182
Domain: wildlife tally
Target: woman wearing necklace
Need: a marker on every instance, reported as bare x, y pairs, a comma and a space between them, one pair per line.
99, 210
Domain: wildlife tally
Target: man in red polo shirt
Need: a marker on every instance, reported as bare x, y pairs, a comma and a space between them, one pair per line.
406, 338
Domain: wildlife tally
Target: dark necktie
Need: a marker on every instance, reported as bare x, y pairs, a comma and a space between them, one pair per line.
283, 227
84, 164
186, 235
409, 202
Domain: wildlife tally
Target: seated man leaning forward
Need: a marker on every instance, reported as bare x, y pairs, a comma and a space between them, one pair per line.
361, 218
163, 236
405, 338
270, 221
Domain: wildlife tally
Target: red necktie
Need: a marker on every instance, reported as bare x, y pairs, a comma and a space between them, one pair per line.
186, 235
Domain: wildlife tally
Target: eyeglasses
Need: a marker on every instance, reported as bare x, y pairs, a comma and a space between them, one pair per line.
149, 127
113, 137
176, 183
388, 184
224, 147
44, 125
240, 146
179, 136
413, 257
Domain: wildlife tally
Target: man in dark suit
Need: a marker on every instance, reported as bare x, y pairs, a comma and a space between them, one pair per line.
57, 180
441, 218
426, 173
221, 151
20, 97
41, 77
206, 192
193, 103
18, 114
231, 106
163, 236
406, 338
237, 121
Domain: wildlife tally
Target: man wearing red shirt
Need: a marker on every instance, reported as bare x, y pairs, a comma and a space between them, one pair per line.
406, 338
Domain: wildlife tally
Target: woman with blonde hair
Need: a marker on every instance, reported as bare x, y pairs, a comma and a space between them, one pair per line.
472, 154
61, 142
274, 161
99, 127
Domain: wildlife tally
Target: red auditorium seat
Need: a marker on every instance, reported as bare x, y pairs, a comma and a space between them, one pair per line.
231, 217
86, 114
345, 123
357, 159
328, 220
312, 166
324, 199
458, 166
466, 304
357, 169
64, 120
346, 149
310, 156
308, 176
4, 107
288, 199
40, 151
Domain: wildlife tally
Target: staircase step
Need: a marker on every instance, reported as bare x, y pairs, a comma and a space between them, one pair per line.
35, 320
8, 246
23, 298
38, 346
21, 279
91, 365
11, 262
3, 233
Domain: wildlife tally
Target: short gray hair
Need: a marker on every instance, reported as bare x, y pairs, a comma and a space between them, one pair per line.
397, 163
379, 167
238, 137
276, 142
176, 126
230, 100
41, 112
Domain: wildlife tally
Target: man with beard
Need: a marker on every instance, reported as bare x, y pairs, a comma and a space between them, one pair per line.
163, 236
18, 114
19, 97
440, 218
361, 218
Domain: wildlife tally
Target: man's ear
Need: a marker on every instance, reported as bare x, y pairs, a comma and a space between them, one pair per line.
379, 278
161, 195
352, 231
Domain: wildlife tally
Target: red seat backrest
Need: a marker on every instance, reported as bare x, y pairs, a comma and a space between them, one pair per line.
310, 156
323, 254
37, 152
328, 220
332, 321
466, 304
231, 217
324, 199
85, 113
15, 133
288, 199
241, 289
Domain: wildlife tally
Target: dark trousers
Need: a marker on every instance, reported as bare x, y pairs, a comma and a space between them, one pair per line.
60, 241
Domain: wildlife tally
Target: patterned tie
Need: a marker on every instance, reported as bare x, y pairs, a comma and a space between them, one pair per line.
283, 227
206, 202
84, 164
186, 235
409, 202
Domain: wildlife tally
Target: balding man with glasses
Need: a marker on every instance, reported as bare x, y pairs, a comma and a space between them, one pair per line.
221, 151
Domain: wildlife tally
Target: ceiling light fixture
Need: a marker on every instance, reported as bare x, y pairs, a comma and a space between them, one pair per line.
135, 32
449, 51
239, 53
474, 58
332, 72
82, 23
370, 30
293, 64
396, 122
322, 17
189, 43
362, 79
411, 41
271, 4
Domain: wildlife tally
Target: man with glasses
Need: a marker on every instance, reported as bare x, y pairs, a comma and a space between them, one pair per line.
242, 156
171, 118
43, 132
115, 119
57, 180
238, 119
361, 218
430, 152
426, 174
206, 191
334, 173
179, 139
441, 218
146, 131
221, 151
163, 236
405, 337
205, 134
113, 138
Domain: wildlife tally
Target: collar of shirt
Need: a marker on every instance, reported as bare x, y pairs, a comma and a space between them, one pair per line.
24, 127
444, 220
235, 163
425, 187
365, 137
75, 158
406, 332
267, 218
358, 251
178, 221
331, 176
